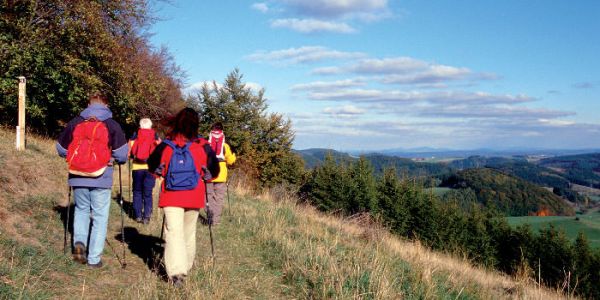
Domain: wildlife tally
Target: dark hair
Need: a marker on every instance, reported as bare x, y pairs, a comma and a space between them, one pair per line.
217, 126
185, 123
98, 97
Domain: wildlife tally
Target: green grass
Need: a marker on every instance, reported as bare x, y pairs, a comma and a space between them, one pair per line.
589, 224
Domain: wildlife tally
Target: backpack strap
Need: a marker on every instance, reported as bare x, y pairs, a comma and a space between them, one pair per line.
170, 143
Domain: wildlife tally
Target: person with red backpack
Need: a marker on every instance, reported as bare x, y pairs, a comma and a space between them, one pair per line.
141, 145
185, 161
91, 142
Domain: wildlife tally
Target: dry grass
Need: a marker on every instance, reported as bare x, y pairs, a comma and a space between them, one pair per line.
267, 248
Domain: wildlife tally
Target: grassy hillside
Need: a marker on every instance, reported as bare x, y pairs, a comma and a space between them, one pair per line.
511, 195
266, 248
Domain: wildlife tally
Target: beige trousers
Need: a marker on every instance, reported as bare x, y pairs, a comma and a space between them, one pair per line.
180, 239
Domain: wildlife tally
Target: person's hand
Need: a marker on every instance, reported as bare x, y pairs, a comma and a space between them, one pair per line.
206, 176
159, 170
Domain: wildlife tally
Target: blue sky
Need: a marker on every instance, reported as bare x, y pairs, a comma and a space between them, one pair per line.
378, 74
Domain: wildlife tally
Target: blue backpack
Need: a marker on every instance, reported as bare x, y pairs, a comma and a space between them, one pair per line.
182, 174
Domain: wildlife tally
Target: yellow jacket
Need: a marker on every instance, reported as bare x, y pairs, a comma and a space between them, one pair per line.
229, 160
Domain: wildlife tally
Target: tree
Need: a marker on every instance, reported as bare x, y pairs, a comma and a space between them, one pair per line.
263, 140
68, 49
363, 197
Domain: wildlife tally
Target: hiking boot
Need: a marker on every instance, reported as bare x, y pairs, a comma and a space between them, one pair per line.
79, 253
178, 280
139, 220
146, 221
96, 266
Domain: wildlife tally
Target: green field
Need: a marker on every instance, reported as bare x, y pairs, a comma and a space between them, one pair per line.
440, 191
589, 224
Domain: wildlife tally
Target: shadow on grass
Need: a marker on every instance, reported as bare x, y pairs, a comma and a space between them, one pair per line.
66, 215
127, 206
147, 247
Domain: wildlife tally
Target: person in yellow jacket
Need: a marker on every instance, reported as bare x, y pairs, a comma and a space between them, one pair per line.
217, 187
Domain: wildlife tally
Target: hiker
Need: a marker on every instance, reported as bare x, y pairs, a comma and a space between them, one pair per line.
91, 142
182, 159
217, 187
141, 144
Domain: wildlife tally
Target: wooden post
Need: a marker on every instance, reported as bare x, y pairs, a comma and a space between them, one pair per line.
21, 126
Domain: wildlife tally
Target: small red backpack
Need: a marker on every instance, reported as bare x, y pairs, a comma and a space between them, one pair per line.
89, 153
143, 145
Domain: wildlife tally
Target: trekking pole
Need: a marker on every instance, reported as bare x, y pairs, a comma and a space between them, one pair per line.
228, 201
68, 209
207, 176
124, 264
129, 169
162, 230
209, 217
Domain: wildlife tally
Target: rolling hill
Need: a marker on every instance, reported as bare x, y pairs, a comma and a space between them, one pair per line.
581, 169
511, 195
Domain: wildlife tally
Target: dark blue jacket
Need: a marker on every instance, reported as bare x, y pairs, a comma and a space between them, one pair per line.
116, 139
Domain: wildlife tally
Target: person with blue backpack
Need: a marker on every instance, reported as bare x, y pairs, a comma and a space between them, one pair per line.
185, 161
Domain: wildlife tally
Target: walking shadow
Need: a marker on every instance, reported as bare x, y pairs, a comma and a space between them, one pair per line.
147, 247
65, 214
127, 206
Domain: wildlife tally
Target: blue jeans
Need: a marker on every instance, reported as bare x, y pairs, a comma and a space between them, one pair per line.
143, 183
97, 202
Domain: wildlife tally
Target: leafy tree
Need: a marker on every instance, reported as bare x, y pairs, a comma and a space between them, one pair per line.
67, 49
263, 140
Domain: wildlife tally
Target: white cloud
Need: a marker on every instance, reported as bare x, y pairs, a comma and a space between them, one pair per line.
395, 96
327, 71
396, 65
406, 70
556, 122
195, 87
255, 87
339, 8
512, 113
260, 6
313, 25
344, 111
327, 85
304, 54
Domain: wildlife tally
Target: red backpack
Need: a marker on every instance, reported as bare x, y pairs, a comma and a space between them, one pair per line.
89, 153
143, 145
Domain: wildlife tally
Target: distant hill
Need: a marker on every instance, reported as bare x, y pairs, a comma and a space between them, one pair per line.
427, 152
315, 156
407, 167
581, 169
518, 167
511, 195
403, 166
556, 173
